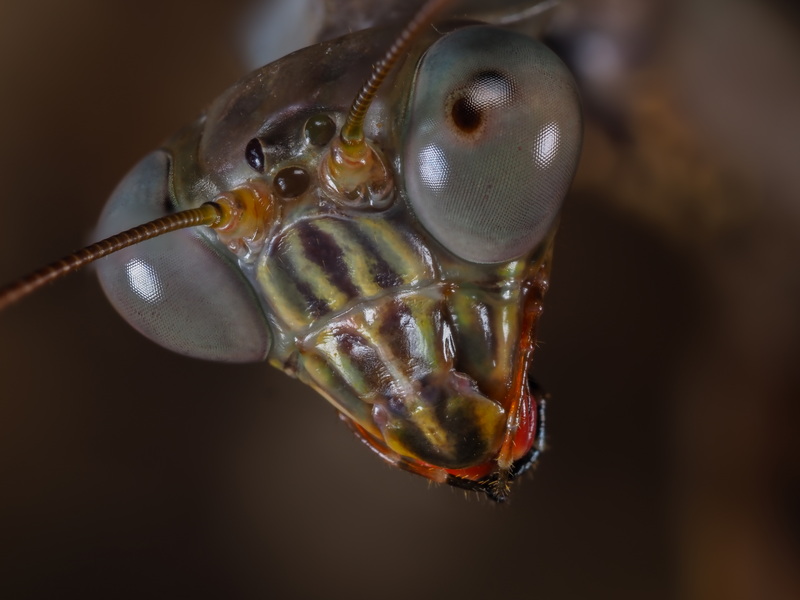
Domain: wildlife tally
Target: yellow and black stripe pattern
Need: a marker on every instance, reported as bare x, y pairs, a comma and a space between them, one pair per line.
323, 265
389, 364
372, 321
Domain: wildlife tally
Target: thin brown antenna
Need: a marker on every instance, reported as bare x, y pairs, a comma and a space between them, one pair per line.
354, 172
353, 129
210, 214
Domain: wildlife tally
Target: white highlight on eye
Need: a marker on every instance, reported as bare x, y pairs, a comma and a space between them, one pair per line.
434, 170
144, 281
491, 94
546, 144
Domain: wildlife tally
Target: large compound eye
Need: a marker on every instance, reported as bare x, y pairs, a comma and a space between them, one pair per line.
179, 289
492, 143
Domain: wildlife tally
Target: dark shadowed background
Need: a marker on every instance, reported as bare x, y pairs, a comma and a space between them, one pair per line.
670, 342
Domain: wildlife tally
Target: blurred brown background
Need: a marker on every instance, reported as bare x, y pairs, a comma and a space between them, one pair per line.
670, 342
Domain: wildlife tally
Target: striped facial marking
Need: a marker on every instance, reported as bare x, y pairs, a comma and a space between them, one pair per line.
418, 354
320, 266
394, 355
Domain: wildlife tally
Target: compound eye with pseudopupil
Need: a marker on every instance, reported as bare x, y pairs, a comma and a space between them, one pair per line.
492, 142
180, 290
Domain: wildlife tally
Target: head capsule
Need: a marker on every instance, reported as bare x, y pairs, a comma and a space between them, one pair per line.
413, 315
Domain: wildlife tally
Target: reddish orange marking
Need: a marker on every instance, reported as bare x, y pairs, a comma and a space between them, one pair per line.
526, 433
474, 473
517, 400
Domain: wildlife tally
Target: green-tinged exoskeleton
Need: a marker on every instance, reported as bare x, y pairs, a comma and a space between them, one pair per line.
395, 260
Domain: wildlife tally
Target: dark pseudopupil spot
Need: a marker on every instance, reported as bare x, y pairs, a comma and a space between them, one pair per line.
254, 154
466, 116
319, 130
486, 91
291, 182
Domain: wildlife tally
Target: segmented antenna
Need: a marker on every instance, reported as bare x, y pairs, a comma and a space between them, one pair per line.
354, 172
353, 129
210, 214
